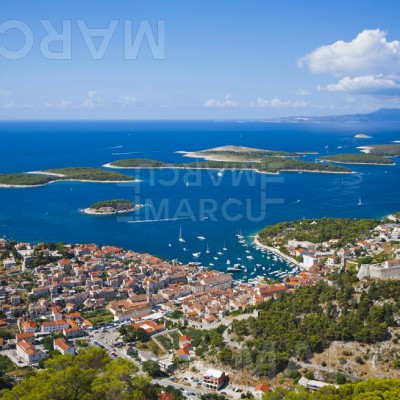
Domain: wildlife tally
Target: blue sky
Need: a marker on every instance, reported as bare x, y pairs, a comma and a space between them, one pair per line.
223, 59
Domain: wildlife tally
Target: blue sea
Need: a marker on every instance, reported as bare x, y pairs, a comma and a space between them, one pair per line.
197, 204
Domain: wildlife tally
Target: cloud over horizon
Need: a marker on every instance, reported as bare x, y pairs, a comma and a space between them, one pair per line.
368, 64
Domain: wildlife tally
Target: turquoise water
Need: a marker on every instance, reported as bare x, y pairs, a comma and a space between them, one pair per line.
51, 213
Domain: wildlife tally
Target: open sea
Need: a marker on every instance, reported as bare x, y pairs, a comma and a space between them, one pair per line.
199, 204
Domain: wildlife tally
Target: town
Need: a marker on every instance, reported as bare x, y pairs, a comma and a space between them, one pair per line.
61, 298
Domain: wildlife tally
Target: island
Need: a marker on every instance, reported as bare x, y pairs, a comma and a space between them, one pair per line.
384, 150
357, 158
81, 174
237, 153
112, 207
236, 158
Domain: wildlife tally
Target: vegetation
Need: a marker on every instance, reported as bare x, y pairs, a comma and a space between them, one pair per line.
269, 164
385, 150
152, 368
117, 205
90, 174
77, 173
298, 324
358, 158
248, 152
98, 317
24, 179
374, 389
89, 375
346, 230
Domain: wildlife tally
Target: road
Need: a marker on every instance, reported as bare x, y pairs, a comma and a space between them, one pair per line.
187, 389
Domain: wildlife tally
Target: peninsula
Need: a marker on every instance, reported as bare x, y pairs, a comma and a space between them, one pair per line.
111, 207
237, 158
363, 158
81, 174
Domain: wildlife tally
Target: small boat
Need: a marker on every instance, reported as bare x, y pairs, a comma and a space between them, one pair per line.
258, 265
181, 239
220, 254
220, 173
233, 269
250, 257
247, 251
228, 262
211, 264
224, 248
208, 250
169, 245
196, 255
201, 237
215, 258
359, 202
185, 249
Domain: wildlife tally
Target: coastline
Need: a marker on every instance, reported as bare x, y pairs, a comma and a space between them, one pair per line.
91, 211
5, 186
360, 163
110, 165
277, 252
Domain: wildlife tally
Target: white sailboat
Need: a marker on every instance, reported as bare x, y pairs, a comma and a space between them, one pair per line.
181, 239
224, 248
201, 237
359, 202
208, 250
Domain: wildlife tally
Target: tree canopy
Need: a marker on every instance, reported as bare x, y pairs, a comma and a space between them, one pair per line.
91, 375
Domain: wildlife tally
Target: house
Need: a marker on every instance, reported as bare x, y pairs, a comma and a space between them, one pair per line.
150, 327
214, 379
183, 354
166, 396
56, 313
28, 353
309, 260
28, 326
27, 337
184, 341
312, 384
63, 347
222, 281
54, 326
260, 390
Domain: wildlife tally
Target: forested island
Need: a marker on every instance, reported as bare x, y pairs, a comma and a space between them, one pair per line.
111, 207
358, 158
266, 165
83, 174
346, 230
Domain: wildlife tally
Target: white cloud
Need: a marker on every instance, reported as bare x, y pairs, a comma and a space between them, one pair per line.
226, 102
127, 101
368, 54
302, 92
92, 100
365, 84
61, 104
278, 103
